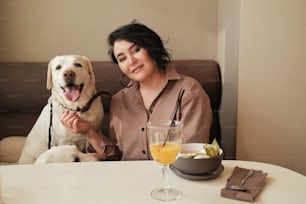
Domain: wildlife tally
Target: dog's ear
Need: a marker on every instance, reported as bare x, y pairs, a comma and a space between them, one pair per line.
49, 75
91, 71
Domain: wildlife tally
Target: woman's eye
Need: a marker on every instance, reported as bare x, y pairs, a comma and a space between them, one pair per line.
137, 49
121, 59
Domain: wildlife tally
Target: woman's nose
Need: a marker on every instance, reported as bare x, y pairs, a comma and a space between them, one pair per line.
131, 59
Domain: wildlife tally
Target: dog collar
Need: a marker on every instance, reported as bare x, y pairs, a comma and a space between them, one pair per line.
88, 104
82, 110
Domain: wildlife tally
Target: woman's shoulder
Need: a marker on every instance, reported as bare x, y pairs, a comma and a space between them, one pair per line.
125, 92
189, 81
119, 94
192, 86
173, 74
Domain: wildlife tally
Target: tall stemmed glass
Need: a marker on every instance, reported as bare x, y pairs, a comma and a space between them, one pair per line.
165, 140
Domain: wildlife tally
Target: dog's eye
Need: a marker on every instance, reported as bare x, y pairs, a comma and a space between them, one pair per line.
58, 67
77, 64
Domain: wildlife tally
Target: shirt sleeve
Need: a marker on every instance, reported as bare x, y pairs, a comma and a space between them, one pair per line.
196, 114
108, 144
110, 150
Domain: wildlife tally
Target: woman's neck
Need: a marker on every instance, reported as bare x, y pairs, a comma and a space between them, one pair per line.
152, 87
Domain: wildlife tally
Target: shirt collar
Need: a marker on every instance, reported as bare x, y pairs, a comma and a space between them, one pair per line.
171, 74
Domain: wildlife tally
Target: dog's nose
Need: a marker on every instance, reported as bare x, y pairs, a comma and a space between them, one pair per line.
69, 76
77, 159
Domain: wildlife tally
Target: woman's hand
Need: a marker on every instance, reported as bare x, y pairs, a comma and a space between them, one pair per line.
74, 123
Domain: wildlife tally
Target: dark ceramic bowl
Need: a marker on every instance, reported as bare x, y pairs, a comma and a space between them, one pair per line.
198, 166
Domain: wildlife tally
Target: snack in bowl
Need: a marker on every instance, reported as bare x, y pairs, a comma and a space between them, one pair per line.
213, 149
198, 158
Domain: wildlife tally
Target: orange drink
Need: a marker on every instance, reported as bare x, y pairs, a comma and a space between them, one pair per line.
165, 154
165, 141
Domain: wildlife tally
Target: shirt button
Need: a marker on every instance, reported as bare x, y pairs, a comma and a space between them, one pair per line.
142, 129
150, 110
144, 151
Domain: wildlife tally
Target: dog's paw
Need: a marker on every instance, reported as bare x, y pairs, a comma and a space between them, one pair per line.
57, 154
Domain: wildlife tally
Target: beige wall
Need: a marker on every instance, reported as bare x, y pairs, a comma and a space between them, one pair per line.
37, 30
272, 70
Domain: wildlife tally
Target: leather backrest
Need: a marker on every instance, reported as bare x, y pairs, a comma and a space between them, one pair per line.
23, 91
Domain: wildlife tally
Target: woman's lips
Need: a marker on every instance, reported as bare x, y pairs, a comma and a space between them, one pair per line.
137, 69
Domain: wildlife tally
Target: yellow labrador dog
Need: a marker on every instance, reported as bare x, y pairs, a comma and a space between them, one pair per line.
72, 83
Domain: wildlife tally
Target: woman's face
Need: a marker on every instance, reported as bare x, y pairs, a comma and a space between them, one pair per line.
134, 61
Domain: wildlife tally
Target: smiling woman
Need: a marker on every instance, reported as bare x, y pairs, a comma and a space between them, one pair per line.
142, 57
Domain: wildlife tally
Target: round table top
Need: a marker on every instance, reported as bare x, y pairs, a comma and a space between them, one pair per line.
133, 181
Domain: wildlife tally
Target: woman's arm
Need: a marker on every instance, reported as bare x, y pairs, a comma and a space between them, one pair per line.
97, 142
196, 114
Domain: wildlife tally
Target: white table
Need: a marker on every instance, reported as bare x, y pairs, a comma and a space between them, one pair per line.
132, 181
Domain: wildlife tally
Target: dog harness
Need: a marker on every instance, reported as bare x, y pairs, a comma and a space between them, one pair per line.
81, 110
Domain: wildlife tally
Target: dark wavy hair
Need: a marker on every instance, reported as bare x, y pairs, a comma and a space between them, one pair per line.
144, 37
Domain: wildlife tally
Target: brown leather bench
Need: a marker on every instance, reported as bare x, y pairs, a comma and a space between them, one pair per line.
23, 94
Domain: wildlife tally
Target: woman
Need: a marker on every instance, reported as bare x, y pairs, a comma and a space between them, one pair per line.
150, 95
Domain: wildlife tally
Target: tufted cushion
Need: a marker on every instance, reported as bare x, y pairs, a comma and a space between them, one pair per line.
10, 148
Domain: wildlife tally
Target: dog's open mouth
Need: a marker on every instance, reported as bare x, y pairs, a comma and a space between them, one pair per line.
72, 92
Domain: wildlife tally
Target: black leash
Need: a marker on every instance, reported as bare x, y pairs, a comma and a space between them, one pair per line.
50, 126
87, 106
82, 110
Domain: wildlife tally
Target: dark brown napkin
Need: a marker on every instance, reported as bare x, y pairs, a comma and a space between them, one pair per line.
254, 185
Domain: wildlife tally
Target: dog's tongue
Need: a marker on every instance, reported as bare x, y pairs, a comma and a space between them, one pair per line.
72, 93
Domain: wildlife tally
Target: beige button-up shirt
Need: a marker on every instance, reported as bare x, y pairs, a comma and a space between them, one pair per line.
128, 116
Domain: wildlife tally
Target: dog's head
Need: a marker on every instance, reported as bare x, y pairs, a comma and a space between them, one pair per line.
71, 76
